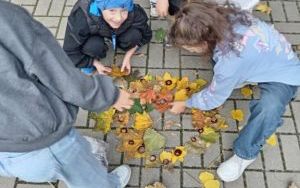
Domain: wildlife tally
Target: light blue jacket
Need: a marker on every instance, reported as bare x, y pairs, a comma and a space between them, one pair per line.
265, 56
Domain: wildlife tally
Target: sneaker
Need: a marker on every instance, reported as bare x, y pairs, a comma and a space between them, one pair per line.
124, 173
153, 12
233, 168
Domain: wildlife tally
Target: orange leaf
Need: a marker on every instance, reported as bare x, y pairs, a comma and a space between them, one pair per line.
148, 96
116, 72
163, 100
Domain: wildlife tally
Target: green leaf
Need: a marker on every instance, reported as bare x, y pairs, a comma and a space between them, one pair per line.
148, 107
153, 141
137, 107
160, 35
211, 137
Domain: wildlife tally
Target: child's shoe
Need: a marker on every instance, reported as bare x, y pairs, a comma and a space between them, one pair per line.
124, 173
233, 168
153, 12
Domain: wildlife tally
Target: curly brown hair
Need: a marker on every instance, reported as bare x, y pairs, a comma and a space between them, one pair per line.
198, 22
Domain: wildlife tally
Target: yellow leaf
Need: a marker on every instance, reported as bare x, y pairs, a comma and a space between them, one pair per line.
169, 82
200, 83
142, 121
246, 91
148, 77
272, 140
237, 115
116, 72
207, 131
104, 120
212, 184
178, 154
263, 7
181, 95
205, 176
183, 83
165, 157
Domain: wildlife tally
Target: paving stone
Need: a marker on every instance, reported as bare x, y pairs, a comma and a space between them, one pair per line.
291, 151
191, 74
191, 160
172, 58
156, 55
212, 155
157, 119
281, 180
42, 8
194, 62
296, 109
272, 158
239, 183
228, 139
236, 94
143, 3
277, 11
187, 122
157, 24
171, 179
149, 175
136, 162
190, 178
48, 21
57, 7
71, 2
62, 28
135, 176
23, 2
225, 112
160, 72
7, 182
244, 106
293, 38
172, 138
175, 119
255, 180
263, 16
62, 185
288, 27
287, 126
113, 156
29, 8
53, 31
82, 116
33, 186
291, 11
67, 11
257, 164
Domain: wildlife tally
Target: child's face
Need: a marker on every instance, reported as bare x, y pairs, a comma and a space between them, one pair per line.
115, 17
200, 49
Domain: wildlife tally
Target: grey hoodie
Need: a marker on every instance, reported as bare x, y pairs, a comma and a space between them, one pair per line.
40, 88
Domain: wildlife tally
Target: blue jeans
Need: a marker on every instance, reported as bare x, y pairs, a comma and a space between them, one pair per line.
69, 160
265, 118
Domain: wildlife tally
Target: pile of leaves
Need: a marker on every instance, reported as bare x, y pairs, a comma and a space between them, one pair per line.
135, 128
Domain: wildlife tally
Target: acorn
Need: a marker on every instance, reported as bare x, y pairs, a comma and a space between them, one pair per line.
131, 142
168, 82
124, 130
177, 152
193, 139
141, 149
200, 130
188, 89
152, 158
166, 161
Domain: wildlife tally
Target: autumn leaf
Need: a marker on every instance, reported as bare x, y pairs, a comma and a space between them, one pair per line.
272, 140
162, 101
205, 176
160, 34
183, 83
263, 7
178, 154
200, 83
237, 115
169, 82
209, 135
148, 96
142, 121
130, 143
103, 120
165, 157
153, 140
212, 184
246, 91
198, 119
136, 107
116, 71
122, 118
181, 95
196, 145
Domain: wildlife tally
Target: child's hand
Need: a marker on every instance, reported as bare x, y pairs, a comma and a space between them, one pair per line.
124, 101
126, 65
178, 107
162, 7
101, 68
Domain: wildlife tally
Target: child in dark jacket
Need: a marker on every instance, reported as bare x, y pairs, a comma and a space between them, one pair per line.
93, 21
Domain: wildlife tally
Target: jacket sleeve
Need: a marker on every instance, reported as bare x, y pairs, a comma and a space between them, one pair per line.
44, 59
227, 75
140, 22
77, 33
